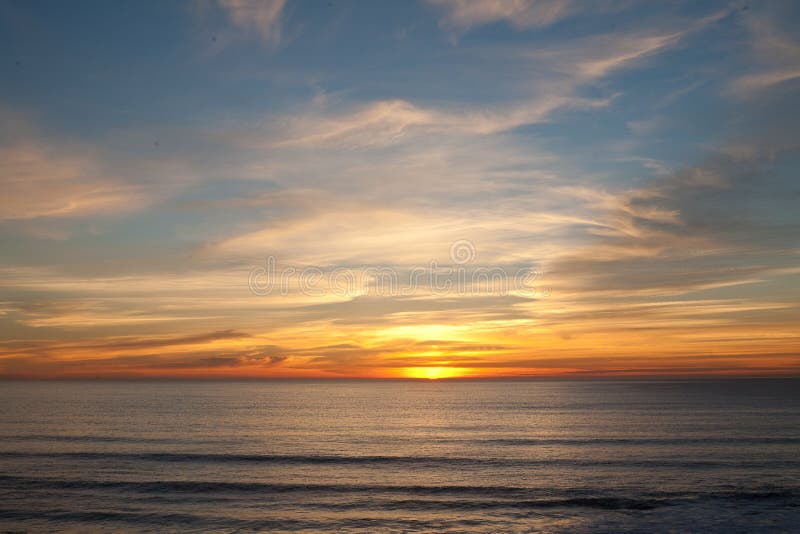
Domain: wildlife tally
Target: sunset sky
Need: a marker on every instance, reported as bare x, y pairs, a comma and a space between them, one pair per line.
637, 161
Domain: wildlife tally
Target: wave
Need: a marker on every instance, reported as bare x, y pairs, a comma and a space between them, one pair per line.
765, 440
383, 460
71, 438
644, 441
396, 497
214, 522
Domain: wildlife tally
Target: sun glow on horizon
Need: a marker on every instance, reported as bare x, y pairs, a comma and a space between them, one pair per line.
434, 373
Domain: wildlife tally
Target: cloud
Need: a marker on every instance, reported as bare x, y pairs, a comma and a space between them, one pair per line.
752, 83
776, 52
557, 73
369, 229
585, 59
46, 176
386, 122
138, 343
463, 15
455, 151
128, 344
43, 181
596, 57
708, 227
259, 17
135, 356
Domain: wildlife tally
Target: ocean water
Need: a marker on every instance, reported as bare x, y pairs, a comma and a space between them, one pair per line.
401, 456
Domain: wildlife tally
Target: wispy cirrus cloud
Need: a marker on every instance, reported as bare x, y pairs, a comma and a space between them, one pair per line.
388, 121
47, 176
558, 72
43, 181
462, 15
776, 52
43, 177
261, 18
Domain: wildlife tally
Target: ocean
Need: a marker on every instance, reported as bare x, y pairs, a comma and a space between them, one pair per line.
400, 456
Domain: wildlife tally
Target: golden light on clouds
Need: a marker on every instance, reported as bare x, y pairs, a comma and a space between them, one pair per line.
272, 215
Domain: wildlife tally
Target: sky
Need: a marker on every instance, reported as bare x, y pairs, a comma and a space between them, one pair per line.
430, 189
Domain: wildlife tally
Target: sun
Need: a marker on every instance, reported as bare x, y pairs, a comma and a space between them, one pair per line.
433, 373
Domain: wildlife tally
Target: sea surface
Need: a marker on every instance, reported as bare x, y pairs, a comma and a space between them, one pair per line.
400, 456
